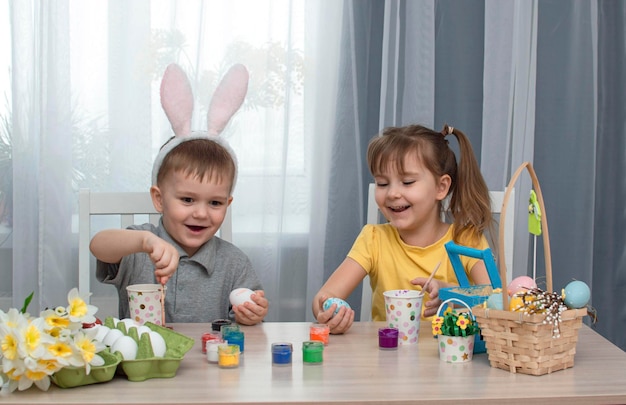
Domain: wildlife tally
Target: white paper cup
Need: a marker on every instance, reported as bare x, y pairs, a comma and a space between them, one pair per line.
403, 310
144, 302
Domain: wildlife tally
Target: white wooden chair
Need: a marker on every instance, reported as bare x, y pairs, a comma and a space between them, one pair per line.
132, 208
374, 217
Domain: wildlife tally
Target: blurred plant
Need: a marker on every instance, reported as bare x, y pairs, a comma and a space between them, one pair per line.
90, 160
6, 169
274, 69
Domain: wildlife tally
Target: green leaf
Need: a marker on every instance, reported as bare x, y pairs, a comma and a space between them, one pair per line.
27, 302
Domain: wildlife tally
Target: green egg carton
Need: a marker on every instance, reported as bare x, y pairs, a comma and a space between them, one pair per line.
146, 366
70, 377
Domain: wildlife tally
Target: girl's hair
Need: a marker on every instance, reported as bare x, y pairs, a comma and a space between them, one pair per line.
470, 204
201, 158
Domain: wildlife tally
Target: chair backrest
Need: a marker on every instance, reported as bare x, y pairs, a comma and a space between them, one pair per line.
497, 197
131, 207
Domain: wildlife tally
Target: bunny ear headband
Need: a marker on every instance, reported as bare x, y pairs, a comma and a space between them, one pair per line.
177, 102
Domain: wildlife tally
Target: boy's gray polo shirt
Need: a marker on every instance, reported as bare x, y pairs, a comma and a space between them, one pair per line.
198, 291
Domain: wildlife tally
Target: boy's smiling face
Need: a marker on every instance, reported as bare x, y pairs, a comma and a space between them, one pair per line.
193, 209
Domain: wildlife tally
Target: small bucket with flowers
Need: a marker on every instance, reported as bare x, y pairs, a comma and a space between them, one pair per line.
455, 332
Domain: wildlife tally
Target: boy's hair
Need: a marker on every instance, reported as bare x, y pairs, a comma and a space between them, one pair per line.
201, 158
470, 204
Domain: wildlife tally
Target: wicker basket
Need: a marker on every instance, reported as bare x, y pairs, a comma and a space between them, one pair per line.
522, 343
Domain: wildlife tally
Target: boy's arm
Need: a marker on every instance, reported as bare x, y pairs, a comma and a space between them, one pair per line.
111, 245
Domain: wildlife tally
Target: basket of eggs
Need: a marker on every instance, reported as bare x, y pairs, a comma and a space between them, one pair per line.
536, 333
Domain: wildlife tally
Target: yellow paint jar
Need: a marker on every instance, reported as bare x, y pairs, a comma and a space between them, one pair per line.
228, 356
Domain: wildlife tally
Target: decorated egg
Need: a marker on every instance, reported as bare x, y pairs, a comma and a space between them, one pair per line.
495, 301
127, 346
340, 303
516, 303
521, 283
576, 294
240, 295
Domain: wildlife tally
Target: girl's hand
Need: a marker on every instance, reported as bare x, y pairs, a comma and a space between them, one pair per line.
432, 305
249, 313
340, 322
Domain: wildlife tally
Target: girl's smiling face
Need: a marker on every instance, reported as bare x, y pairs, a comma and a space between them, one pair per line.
411, 200
193, 209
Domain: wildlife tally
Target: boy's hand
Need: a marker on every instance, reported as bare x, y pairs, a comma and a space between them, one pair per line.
249, 313
163, 255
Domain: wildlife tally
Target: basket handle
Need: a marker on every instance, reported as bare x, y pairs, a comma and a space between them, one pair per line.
446, 302
544, 230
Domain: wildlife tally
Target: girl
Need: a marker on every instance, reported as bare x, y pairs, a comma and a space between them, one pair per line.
414, 170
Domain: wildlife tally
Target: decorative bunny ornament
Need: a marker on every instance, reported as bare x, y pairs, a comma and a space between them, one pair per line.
177, 102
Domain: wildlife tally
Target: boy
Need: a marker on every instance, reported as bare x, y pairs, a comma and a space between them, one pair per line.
193, 180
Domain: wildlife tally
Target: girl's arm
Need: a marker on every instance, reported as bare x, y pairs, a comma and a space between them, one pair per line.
340, 284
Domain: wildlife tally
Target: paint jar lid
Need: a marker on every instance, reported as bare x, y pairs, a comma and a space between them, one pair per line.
282, 347
312, 346
217, 324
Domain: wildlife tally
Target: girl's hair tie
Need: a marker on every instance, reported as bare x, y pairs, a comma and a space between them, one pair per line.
447, 130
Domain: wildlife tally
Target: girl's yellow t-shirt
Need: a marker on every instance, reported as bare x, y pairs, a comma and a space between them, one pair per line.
392, 264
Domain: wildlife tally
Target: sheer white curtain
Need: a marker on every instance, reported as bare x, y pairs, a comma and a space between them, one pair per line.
82, 81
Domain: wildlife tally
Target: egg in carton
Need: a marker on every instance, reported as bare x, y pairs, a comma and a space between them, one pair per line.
158, 353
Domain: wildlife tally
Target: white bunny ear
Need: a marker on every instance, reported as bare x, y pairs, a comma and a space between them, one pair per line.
227, 98
177, 99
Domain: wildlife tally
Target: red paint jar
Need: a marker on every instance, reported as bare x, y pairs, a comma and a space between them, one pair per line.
206, 337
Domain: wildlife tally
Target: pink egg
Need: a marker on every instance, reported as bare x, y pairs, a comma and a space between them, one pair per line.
521, 283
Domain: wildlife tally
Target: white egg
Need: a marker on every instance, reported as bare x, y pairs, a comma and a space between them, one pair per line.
115, 321
143, 329
129, 323
158, 344
240, 295
127, 346
112, 336
101, 332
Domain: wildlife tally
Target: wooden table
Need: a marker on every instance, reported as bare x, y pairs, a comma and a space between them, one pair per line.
355, 371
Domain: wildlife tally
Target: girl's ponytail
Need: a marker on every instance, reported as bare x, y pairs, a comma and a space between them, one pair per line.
470, 203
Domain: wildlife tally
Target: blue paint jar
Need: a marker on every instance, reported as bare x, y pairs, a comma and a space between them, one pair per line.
281, 353
235, 337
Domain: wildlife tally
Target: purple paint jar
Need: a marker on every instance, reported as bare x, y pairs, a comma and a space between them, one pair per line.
388, 338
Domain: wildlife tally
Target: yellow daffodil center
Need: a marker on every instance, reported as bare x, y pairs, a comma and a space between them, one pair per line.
9, 347
77, 308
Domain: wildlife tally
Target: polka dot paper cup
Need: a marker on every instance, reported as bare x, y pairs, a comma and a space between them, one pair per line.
144, 302
403, 310
456, 349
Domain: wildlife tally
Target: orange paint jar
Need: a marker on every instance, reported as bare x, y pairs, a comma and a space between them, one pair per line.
319, 332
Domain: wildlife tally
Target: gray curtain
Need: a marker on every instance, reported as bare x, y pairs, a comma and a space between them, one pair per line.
525, 80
